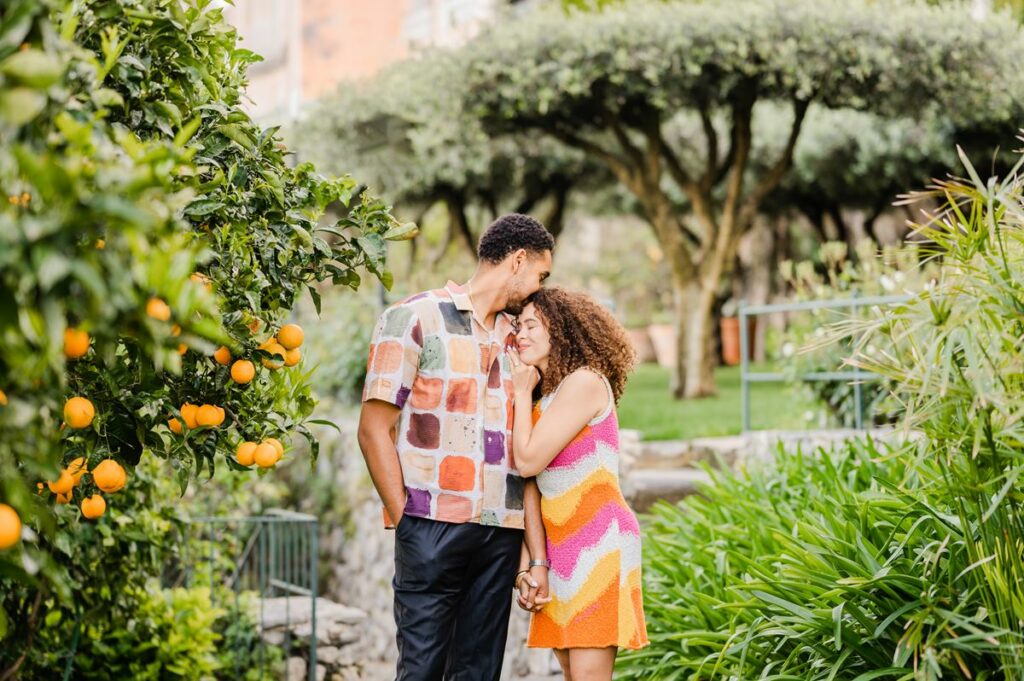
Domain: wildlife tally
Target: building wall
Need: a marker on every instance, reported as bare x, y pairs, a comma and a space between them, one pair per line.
310, 47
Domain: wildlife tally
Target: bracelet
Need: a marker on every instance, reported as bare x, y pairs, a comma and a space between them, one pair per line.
540, 563
519, 576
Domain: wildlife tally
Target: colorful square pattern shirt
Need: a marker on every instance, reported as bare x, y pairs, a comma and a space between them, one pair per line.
452, 380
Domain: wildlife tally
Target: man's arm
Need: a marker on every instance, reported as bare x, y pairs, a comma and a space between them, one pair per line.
377, 423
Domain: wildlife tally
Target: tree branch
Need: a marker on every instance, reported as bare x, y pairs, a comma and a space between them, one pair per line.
707, 180
619, 166
777, 172
555, 218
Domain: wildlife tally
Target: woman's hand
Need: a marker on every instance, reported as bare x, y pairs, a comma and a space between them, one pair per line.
524, 377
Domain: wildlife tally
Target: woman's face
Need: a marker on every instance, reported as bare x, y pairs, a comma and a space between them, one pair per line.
533, 338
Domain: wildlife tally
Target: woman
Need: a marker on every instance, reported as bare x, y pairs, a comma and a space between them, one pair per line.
575, 356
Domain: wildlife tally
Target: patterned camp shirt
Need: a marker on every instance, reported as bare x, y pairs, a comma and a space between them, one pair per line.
451, 377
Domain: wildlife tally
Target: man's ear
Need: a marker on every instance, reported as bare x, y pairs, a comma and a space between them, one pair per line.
518, 260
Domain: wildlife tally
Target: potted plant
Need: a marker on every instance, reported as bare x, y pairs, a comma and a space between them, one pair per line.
729, 329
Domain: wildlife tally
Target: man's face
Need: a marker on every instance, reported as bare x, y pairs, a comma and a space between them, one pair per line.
529, 270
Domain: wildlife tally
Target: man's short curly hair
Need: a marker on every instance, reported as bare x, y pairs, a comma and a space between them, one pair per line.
511, 232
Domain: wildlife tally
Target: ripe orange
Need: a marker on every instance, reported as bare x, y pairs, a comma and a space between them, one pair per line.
158, 309
78, 412
3, 398
202, 280
176, 330
274, 349
255, 325
100, 244
63, 484
276, 444
182, 348
109, 476
292, 357
223, 355
242, 371
244, 453
64, 498
10, 527
210, 415
265, 455
77, 468
94, 506
290, 336
76, 343
188, 412
175, 425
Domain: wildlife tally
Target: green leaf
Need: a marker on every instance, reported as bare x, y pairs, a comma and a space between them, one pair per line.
19, 105
203, 207
402, 232
237, 134
33, 68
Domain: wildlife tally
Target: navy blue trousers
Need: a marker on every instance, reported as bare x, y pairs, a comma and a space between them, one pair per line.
453, 594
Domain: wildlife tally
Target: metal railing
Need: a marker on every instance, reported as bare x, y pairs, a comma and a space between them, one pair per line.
270, 558
747, 377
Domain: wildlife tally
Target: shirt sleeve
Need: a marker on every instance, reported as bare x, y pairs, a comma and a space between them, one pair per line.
394, 356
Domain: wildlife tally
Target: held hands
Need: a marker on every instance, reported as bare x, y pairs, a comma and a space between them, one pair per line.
524, 376
532, 593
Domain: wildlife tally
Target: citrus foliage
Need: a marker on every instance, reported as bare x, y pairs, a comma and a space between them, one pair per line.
147, 222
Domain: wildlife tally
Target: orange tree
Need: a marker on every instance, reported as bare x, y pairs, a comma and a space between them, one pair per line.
149, 230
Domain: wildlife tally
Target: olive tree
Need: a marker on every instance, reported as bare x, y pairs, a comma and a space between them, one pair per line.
609, 84
406, 134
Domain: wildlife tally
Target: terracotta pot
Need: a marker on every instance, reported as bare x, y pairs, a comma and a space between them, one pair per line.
729, 327
663, 338
641, 341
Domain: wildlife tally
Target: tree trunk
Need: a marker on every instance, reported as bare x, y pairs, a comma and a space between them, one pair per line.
698, 340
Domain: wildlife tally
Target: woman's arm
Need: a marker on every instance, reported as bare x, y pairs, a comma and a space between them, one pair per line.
581, 397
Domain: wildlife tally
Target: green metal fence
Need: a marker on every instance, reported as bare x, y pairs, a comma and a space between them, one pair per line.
747, 377
264, 562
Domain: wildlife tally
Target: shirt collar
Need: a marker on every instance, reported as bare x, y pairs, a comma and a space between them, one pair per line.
502, 321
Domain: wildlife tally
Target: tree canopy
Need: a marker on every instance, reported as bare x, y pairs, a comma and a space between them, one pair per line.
610, 83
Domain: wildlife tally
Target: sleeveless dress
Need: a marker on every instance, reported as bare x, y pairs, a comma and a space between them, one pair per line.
593, 543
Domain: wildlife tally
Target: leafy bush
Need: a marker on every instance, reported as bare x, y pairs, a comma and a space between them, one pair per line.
146, 209
815, 566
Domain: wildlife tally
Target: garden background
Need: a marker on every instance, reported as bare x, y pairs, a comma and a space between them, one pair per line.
209, 204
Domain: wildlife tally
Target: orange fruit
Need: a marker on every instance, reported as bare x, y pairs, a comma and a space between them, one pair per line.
3, 398
64, 498
202, 280
77, 468
292, 357
10, 527
40, 487
223, 355
175, 425
94, 506
276, 444
100, 244
290, 336
242, 371
267, 343
109, 476
63, 484
210, 415
188, 412
274, 349
255, 325
76, 343
158, 309
244, 453
182, 348
265, 455
176, 330
78, 412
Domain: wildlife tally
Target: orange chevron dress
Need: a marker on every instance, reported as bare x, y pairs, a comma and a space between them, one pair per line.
593, 543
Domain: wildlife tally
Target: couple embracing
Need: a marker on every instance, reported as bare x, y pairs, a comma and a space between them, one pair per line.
489, 430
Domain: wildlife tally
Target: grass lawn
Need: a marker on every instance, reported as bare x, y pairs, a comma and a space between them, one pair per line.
648, 406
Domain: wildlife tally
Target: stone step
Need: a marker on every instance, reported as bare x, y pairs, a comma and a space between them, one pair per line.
648, 486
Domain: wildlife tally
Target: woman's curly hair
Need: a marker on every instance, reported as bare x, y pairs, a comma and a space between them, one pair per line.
583, 334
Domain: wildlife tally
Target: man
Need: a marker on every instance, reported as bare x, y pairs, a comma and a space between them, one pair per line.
435, 431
